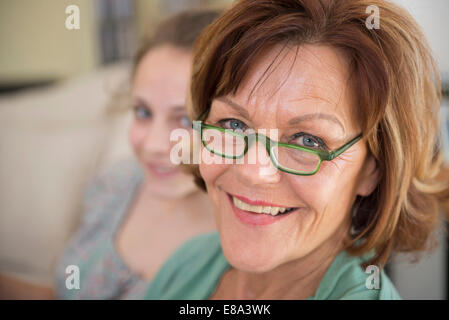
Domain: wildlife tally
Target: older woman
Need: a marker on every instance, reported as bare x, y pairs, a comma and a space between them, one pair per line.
343, 171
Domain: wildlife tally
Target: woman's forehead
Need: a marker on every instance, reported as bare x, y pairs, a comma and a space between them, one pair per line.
301, 72
297, 80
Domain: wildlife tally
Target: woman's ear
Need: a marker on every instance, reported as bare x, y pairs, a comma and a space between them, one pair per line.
369, 177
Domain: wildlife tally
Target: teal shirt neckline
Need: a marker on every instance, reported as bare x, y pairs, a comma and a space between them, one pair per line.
194, 271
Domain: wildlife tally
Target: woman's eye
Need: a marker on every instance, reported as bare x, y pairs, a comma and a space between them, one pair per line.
308, 141
142, 112
233, 124
185, 122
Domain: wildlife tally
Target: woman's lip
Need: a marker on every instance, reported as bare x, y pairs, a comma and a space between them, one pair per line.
256, 219
155, 171
258, 202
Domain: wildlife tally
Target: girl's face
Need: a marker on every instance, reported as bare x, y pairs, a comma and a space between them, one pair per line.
308, 100
158, 99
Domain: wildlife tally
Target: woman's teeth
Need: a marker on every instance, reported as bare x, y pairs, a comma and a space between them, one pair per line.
259, 209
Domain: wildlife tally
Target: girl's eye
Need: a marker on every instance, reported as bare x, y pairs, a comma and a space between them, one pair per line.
233, 124
308, 141
185, 122
142, 112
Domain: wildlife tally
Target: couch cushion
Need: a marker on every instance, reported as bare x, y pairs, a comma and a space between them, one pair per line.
52, 142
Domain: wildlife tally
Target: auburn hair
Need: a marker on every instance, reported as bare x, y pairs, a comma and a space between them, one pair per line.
397, 90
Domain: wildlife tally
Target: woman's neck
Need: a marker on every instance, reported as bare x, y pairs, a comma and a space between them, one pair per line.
297, 279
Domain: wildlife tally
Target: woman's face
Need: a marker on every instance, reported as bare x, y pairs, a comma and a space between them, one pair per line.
158, 99
308, 100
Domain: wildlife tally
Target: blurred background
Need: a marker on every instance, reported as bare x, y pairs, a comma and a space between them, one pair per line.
58, 92
37, 48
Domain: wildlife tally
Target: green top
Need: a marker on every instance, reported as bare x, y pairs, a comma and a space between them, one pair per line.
194, 270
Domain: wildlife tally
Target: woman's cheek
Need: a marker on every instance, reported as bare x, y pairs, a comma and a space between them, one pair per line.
317, 191
210, 172
329, 191
136, 136
207, 172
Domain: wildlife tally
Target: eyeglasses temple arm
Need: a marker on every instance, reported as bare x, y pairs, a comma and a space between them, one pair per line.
335, 153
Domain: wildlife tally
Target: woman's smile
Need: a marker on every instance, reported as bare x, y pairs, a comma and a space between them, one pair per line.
162, 171
258, 212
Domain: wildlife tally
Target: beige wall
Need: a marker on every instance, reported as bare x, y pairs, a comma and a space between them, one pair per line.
149, 12
147, 16
36, 45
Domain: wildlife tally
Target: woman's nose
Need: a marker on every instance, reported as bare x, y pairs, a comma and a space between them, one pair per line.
257, 167
157, 138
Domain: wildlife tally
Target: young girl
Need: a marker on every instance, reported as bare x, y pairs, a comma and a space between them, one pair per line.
140, 210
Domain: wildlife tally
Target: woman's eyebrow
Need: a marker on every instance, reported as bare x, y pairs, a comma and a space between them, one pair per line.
313, 116
310, 116
178, 109
238, 108
138, 100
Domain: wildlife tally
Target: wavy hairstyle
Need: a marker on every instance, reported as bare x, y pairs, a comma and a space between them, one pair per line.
398, 96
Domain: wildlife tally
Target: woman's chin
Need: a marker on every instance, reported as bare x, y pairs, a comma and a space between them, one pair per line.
254, 259
255, 266
170, 191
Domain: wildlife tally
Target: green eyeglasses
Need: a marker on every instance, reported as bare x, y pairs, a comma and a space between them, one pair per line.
286, 157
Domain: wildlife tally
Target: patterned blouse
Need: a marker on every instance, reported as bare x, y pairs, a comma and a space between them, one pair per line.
102, 272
